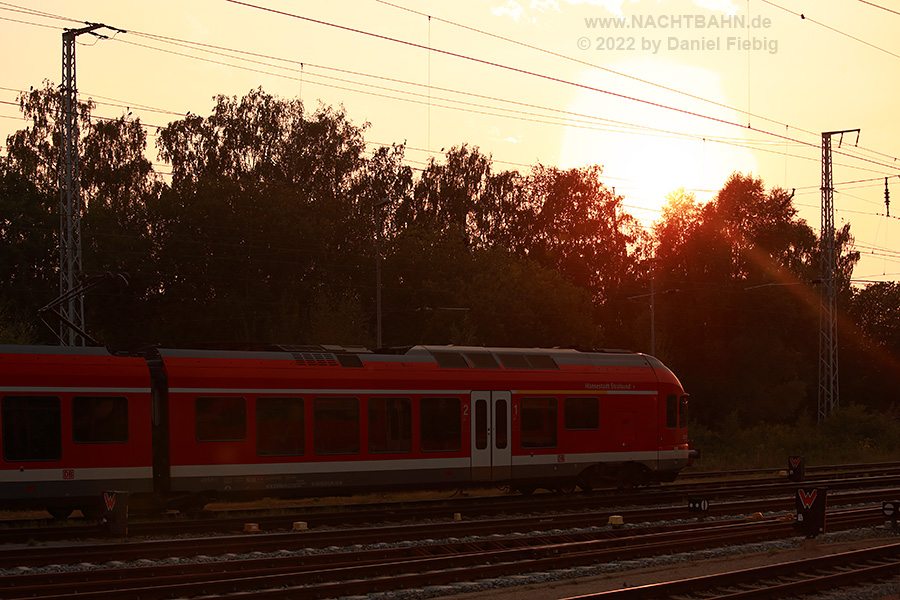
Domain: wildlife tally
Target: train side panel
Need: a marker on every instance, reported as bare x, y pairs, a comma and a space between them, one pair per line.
271, 425
180, 427
73, 423
593, 422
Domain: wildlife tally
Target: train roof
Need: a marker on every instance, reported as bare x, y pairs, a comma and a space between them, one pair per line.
62, 350
445, 357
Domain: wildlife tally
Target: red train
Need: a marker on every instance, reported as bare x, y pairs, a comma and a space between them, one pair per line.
177, 428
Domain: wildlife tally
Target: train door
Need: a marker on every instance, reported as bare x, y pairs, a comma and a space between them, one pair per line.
491, 451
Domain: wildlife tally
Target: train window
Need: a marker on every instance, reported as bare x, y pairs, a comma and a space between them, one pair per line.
514, 361
481, 424
350, 360
671, 411
220, 419
440, 424
280, 427
582, 413
450, 360
336, 425
541, 361
482, 360
500, 419
528, 361
539, 422
390, 425
32, 428
683, 411
99, 419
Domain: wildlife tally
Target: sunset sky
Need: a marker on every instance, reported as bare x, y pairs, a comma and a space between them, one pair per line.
664, 94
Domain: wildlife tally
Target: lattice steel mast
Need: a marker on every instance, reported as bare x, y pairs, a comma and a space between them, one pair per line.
828, 346
70, 207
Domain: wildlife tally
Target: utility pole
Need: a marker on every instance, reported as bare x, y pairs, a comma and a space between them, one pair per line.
652, 295
828, 346
378, 226
70, 207
887, 199
653, 262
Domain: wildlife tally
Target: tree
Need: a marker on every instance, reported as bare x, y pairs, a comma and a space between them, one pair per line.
116, 180
452, 198
35, 150
457, 210
29, 220
871, 345
515, 301
577, 225
462, 216
424, 275
118, 186
742, 331
876, 308
263, 217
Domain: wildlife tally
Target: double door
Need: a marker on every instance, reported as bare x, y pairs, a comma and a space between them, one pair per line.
491, 443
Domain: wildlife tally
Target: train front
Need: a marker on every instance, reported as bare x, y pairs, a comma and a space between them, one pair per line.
675, 449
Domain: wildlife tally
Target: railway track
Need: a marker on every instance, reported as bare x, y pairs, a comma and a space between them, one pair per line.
882, 468
362, 570
784, 580
479, 507
324, 562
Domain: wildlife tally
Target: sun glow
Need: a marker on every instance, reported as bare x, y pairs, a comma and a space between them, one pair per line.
648, 151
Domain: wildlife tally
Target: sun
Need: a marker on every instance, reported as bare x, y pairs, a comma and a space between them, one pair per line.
648, 151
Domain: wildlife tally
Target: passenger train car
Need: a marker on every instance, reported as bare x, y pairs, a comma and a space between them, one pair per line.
178, 428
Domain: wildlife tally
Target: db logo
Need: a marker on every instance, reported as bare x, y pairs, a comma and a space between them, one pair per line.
68, 473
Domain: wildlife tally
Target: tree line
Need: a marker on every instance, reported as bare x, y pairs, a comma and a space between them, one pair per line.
263, 224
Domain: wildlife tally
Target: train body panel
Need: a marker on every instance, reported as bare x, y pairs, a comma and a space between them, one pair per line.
278, 423
207, 424
73, 423
425, 418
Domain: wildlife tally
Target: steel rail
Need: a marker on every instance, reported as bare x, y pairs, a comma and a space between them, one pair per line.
781, 580
101, 552
441, 509
366, 572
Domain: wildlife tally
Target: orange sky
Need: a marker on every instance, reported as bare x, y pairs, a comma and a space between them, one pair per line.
662, 99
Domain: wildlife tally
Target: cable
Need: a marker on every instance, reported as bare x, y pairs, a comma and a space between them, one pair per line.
879, 6
487, 63
535, 74
585, 63
568, 122
174, 40
818, 187
828, 27
34, 13
582, 62
191, 45
29, 23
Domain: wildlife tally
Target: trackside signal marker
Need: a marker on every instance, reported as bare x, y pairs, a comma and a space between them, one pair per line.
807, 499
